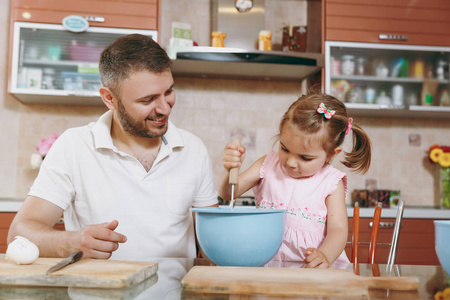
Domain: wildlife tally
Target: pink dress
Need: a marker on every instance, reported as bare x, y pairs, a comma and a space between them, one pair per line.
304, 201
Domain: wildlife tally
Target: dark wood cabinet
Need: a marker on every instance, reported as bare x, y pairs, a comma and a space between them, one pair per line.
418, 22
136, 14
415, 244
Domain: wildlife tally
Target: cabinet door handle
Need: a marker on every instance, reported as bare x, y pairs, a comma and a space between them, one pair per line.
384, 225
397, 37
94, 19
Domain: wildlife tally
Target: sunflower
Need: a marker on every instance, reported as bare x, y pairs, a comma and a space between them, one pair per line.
443, 295
444, 159
439, 154
435, 154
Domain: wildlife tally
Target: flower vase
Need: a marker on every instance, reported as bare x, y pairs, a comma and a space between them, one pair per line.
445, 187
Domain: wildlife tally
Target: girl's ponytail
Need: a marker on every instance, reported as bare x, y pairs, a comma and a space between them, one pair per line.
360, 156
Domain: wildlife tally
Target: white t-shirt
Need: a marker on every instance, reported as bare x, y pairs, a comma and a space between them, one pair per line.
93, 182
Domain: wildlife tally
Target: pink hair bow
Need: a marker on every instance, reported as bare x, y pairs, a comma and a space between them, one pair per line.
349, 126
323, 110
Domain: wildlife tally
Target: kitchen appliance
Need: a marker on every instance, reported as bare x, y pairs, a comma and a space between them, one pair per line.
239, 58
290, 282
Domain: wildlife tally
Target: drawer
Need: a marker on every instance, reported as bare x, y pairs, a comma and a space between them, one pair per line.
415, 244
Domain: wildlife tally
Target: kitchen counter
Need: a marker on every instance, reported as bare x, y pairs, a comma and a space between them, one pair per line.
10, 204
166, 284
410, 212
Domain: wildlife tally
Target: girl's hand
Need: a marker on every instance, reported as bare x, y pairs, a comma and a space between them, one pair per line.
316, 259
233, 156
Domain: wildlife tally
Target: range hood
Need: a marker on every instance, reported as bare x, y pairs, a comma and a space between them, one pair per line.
239, 58
215, 62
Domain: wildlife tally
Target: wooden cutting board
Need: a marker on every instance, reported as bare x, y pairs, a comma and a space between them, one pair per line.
84, 273
288, 281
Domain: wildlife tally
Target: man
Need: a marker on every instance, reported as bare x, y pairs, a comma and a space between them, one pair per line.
130, 178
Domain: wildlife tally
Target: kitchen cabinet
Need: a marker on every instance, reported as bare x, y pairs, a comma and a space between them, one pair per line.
415, 244
389, 80
5, 221
136, 14
50, 64
418, 22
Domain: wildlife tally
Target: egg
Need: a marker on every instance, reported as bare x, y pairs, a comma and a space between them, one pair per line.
22, 251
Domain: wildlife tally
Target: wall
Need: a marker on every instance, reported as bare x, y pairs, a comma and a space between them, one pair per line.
216, 109
9, 112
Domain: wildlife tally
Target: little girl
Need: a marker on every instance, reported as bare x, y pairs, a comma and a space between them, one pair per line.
300, 179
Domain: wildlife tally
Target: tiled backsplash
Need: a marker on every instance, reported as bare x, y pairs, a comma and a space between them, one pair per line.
216, 110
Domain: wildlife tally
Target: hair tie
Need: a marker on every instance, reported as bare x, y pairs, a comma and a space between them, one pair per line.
323, 110
349, 126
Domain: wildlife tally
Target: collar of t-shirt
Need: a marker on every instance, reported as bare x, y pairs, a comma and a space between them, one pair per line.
101, 131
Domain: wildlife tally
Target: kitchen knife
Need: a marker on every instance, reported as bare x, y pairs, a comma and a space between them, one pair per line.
74, 257
233, 178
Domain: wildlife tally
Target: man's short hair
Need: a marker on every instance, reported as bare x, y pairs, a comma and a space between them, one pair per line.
128, 54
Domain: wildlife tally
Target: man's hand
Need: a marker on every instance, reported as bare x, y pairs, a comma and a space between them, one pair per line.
100, 240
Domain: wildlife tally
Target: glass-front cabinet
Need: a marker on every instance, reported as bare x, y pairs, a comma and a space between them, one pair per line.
389, 79
53, 65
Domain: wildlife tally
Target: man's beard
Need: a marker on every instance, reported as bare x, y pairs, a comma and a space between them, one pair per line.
135, 127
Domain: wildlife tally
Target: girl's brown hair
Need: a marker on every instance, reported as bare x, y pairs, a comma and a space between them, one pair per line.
303, 115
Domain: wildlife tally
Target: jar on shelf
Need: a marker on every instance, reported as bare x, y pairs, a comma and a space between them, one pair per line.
383, 99
265, 40
370, 95
418, 69
381, 69
335, 66
397, 95
360, 66
357, 94
348, 65
441, 68
48, 79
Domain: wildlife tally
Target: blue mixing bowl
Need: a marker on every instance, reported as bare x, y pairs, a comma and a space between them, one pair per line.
442, 243
241, 236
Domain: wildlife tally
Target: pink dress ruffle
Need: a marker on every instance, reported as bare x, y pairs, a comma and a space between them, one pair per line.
304, 202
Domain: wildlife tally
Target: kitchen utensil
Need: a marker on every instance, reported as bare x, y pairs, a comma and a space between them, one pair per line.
74, 257
289, 282
233, 178
87, 273
442, 242
243, 236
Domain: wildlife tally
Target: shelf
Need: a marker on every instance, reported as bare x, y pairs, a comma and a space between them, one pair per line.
59, 63
58, 97
391, 111
212, 62
384, 79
